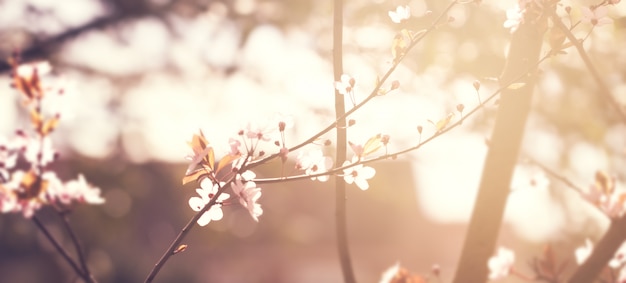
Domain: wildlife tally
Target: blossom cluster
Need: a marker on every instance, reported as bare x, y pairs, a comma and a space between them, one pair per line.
26, 183
233, 170
605, 195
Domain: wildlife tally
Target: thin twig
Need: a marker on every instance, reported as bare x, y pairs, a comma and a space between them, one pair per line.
407, 150
183, 233
77, 246
59, 248
605, 92
372, 94
555, 175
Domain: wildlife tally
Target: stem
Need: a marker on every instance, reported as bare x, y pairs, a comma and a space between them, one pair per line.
604, 89
340, 114
557, 176
183, 233
372, 94
60, 249
407, 150
77, 246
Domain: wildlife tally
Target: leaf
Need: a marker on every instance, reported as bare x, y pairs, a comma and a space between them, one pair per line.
406, 34
414, 35
225, 161
31, 186
556, 38
516, 85
372, 145
199, 145
49, 125
179, 249
194, 175
398, 47
441, 124
36, 119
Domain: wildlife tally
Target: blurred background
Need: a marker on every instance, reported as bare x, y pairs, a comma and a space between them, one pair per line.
141, 76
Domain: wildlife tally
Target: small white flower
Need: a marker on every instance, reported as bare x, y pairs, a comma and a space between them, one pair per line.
346, 85
314, 162
582, 253
501, 264
207, 191
358, 174
597, 16
401, 13
248, 194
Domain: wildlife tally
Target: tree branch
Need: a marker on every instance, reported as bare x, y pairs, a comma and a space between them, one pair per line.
503, 153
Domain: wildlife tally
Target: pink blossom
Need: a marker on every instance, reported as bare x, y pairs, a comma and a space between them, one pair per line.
258, 131
356, 148
401, 13
79, 190
248, 194
39, 152
358, 174
597, 16
501, 264
8, 158
234, 146
314, 162
207, 191
26, 192
283, 121
612, 201
26, 205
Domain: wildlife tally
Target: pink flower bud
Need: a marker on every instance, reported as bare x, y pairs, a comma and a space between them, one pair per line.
476, 85
395, 85
385, 139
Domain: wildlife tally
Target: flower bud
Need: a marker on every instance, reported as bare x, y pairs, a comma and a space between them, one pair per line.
395, 85
385, 139
476, 85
